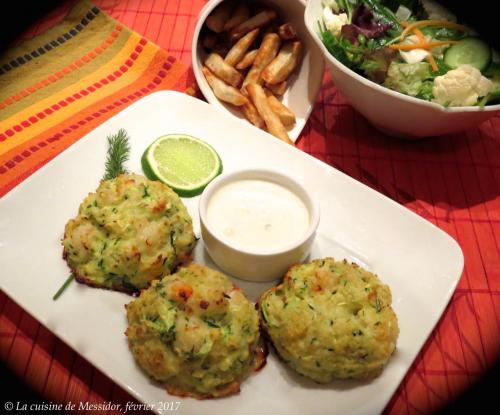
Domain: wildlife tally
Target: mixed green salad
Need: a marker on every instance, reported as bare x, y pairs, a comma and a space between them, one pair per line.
415, 47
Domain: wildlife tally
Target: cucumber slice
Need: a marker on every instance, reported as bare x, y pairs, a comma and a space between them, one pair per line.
470, 50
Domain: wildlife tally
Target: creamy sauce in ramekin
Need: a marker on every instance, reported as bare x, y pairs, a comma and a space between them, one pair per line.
257, 215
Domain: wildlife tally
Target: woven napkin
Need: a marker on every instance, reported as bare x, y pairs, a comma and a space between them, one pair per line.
63, 83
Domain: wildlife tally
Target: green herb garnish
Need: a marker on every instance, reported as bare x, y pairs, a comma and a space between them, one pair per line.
118, 154
63, 287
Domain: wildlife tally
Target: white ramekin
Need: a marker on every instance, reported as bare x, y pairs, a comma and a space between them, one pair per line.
257, 266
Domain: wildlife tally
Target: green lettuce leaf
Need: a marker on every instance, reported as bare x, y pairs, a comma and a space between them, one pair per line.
409, 78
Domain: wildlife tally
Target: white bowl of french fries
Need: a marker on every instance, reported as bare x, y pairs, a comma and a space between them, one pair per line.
256, 60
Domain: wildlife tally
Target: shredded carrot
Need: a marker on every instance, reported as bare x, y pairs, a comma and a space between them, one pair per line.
432, 61
420, 35
422, 41
429, 57
421, 45
443, 23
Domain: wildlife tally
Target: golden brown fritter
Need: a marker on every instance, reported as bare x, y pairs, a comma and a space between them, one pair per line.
195, 333
129, 232
331, 320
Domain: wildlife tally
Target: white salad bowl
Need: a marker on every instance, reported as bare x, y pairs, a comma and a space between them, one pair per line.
248, 264
304, 84
392, 112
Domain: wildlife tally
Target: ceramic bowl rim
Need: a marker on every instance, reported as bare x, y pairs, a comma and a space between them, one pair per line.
268, 174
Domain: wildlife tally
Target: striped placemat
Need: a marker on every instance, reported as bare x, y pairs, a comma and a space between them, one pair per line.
58, 86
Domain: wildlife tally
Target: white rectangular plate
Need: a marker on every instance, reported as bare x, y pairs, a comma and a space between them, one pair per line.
420, 263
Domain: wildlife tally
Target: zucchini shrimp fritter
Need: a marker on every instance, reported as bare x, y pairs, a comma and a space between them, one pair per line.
331, 320
129, 232
195, 333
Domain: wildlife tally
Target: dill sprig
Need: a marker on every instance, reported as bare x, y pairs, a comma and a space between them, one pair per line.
118, 154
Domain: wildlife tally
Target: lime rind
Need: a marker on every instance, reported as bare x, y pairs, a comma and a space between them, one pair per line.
181, 186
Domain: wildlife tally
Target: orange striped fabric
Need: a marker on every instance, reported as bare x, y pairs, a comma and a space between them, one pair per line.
61, 84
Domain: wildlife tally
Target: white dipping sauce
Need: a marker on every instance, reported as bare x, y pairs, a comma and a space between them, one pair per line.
257, 215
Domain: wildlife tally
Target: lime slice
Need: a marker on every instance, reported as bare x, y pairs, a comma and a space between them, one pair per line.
184, 163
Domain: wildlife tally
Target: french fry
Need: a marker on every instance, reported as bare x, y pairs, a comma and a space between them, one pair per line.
247, 60
273, 122
222, 70
287, 32
240, 15
286, 116
252, 115
267, 51
277, 89
240, 48
221, 49
283, 64
209, 40
223, 91
246, 37
218, 18
259, 20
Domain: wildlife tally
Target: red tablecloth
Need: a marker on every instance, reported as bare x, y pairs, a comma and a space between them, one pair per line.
451, 181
